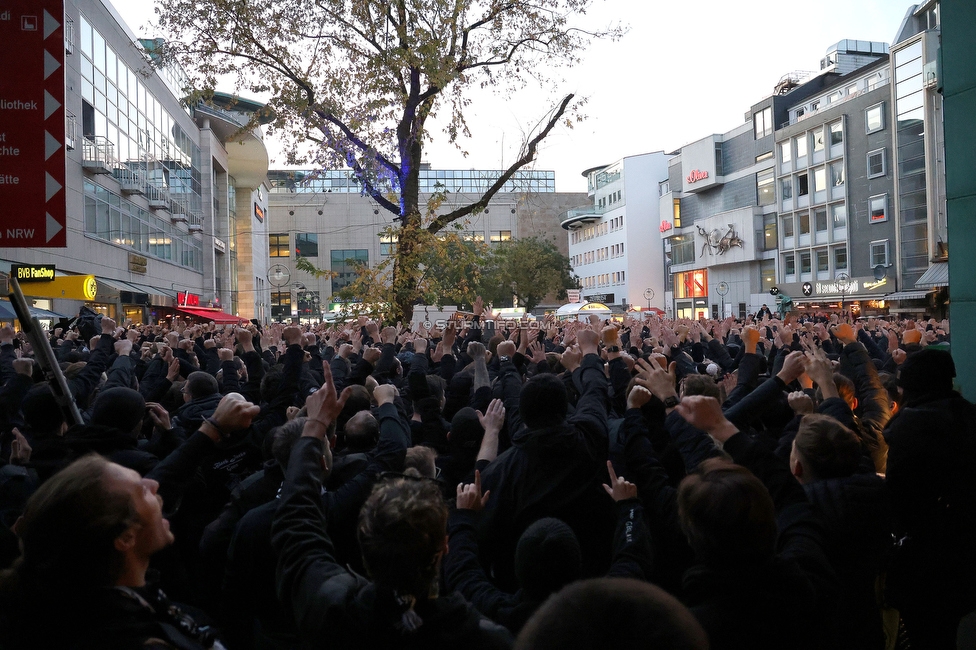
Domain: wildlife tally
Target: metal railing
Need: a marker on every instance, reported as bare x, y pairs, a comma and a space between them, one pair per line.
98, 154
70, 130
69, 35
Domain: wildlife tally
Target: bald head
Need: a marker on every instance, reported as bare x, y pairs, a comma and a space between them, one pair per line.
361, 432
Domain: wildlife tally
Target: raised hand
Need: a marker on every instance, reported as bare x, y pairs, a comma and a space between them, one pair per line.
619, 489
494, 416
705, 413
469, 495
323, 406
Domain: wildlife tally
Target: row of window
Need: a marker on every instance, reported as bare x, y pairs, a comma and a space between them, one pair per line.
610, 199
799, 146
806, 260
598, 255
604, 280
596, 230
112, 218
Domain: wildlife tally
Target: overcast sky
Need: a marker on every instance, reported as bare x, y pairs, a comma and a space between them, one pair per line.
686, 69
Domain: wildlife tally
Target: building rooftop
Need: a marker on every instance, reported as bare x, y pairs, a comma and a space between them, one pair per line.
292, 181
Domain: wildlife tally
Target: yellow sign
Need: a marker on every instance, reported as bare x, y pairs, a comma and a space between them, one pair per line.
70, 287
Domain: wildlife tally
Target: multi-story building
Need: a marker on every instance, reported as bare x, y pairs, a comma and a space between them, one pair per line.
609, 239
722, 201
835, 192
920, 245
323, 216
157, 203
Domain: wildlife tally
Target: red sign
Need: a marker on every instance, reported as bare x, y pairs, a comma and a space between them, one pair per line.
696, 175
666, 226
32, 124
259, 213
187, 299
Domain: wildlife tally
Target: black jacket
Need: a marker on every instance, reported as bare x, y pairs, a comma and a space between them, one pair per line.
556, 471
335, 608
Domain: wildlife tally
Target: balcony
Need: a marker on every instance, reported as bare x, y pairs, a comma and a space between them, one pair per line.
131, 179
98, 154
576, 217
69, 35
158, 197
196, 223
70, 130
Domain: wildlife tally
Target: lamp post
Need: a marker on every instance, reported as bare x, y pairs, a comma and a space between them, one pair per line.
842, 279
721, 290
649, 296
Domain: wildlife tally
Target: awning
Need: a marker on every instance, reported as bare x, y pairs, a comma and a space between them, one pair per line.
936, 276
214, 315
7, 312
907, 295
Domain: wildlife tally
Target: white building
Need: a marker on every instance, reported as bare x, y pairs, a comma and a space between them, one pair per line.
158, 201
614, 244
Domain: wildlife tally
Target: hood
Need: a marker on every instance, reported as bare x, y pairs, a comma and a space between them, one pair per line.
191, 414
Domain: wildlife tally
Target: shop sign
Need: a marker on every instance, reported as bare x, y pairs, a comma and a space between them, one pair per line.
184, 299
851, 286
696, 175
573, 295
32, 272
138, 263
69, 287
666, 226
605, 298
259, 213
219, 245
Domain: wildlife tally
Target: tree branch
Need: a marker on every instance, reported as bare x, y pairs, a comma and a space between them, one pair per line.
527, 157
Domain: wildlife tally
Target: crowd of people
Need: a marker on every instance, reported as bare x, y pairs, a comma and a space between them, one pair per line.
744, 483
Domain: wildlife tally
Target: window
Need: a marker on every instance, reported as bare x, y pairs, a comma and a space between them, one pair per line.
820, 219
765, 187
788, 226
763, 122
818, 139
307, 244
819, 179
786, 185
852, 89
876, 163
280, 305
308, 304
804, 223
801, 145
691, 284
836, 133
878, 208
676, 212
802, 185
345, 266
682, 249
764, 156
785, 151
837, 174
498, 236
789, 264
388, 243
838, 214
823, 262
278, 245
767, 274
719, 165
840, 258
874, 118
770, 236
879, 253
805, 262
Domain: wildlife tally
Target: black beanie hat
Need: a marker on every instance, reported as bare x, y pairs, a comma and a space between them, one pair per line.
466, 430
927, 371
547, 558
121, 408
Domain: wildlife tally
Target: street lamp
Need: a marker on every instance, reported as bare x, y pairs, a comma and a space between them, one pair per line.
842, 279
722, 289
649, 296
